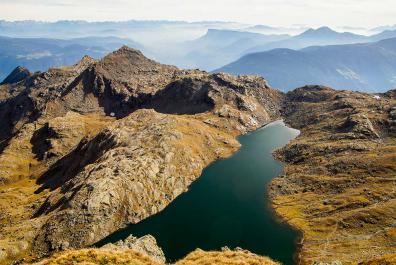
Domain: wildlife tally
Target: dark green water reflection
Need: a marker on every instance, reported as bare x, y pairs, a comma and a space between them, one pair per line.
227, 205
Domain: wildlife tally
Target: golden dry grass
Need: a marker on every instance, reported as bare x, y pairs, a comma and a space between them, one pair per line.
384, 260
126, 257
98, 257
227, 257
18, 170
340, 190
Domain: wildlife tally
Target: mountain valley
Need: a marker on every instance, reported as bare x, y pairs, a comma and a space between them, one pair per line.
87, 149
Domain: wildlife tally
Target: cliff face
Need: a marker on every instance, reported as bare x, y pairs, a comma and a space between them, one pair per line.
87, 149
338, 185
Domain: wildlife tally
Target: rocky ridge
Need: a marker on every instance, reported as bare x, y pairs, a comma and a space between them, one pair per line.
101, 144
18, 74
87, 149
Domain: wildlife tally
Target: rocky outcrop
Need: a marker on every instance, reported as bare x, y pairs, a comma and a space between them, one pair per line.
147, 245
17, 75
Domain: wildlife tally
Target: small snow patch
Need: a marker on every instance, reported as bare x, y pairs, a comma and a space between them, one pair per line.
377, 97
112, 114
349, 74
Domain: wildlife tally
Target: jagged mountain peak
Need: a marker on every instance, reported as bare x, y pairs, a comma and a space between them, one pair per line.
86, 59
134, 70
18, 74
128, 50
129, 59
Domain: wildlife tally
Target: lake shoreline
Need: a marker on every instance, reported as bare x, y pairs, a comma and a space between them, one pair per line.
278, 217
248, 219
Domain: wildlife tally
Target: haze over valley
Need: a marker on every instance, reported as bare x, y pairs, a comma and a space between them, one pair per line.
212, 46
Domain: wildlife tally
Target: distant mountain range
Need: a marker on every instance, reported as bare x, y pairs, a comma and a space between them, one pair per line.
204, 45
322, 36
146, 31
39, 54
364, 67
219, 47
216, 48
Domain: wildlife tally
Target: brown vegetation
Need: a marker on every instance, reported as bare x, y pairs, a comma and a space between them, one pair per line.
226, 257
98, 257
338, 186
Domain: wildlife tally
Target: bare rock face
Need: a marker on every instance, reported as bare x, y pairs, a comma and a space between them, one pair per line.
360, 126
146, 245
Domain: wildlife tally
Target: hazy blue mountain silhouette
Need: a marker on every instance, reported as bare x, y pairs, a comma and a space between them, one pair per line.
218, 47
365, 67
311, 37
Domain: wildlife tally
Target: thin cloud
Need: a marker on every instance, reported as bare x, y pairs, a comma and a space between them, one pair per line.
358, 13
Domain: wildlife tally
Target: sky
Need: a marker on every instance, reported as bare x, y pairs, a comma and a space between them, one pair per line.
353, 13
